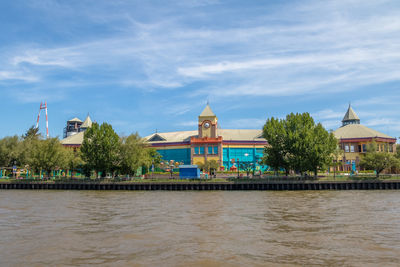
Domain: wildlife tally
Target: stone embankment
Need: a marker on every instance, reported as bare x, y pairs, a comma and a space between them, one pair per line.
275, 185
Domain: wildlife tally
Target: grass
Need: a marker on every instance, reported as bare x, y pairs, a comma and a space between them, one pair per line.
329, 178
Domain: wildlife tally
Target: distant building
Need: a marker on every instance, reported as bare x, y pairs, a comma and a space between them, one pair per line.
354, 139
73, 127
209, 142
74, 131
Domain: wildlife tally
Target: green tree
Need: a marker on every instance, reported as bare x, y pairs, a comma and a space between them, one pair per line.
9, 151
321, 146
275, 154
101, 149
151, 157
133, 154
335, 162
378, 161
247, 167
397, 155
32, 133
46, 155
209, 166
297, 143
73, 161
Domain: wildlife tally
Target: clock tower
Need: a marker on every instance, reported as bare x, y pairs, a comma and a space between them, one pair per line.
208, 123
207, 145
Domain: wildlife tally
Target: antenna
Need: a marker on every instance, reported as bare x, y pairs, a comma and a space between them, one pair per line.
43, 106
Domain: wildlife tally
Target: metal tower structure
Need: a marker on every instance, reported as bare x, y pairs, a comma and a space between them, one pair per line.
43, 106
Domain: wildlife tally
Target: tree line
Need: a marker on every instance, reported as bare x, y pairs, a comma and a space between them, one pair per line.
102, 151
296, 144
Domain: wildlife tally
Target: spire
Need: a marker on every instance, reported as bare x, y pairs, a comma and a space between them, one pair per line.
350, 117
207, 112
87, 123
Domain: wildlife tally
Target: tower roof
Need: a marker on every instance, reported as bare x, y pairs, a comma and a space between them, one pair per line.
87, 123
75, 120
350, 115
207, 112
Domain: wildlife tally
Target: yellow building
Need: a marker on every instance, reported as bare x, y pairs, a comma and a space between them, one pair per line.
354, 139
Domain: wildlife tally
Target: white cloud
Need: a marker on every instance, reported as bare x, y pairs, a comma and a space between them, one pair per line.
10, 75
329, 48
328, 114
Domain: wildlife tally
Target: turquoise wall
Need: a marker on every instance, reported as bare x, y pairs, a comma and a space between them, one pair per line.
253, 155
180, 154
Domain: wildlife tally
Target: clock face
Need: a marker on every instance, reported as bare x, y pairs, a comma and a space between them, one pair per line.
206, 125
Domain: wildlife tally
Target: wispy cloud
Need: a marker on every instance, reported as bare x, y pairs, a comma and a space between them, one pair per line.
10, 75
176, 55
328, 114
302, 58
187, 123
245, 123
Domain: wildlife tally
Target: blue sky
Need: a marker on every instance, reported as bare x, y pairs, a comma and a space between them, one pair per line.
147, 65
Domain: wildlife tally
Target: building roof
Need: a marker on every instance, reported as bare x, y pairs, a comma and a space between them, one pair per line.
75, 119
76, 139
350, 115
227, 134
358, 131
87, 123
207, 112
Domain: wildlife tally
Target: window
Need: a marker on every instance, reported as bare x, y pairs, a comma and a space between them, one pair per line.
352, 148
196, 150
210, 150
201, 150
215, 149
364, 148
359, 148
390, 148
346, 148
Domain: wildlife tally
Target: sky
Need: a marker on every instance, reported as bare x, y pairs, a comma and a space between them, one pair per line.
146, 66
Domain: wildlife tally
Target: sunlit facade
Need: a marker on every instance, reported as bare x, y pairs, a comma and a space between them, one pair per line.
226, 146
354, 139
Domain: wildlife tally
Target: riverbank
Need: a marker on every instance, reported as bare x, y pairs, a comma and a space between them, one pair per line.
205, 185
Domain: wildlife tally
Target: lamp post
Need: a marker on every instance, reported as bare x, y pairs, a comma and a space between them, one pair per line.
152, 168
255, 161
246, 162
15, 169
238, 167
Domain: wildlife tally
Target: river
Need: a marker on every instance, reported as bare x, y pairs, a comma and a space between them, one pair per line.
192, 228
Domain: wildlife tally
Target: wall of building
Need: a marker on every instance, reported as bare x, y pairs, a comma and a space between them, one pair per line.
176, 154
254, 154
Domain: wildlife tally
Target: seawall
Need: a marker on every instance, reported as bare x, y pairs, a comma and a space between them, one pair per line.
177, 186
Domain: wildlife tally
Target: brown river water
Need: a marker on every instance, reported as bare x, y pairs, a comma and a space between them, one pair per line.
191, 228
